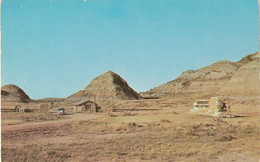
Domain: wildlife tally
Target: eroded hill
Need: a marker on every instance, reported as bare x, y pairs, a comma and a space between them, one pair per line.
107, 86
221, 78
13, 93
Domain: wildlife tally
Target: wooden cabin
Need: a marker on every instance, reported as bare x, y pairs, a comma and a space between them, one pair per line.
86, 106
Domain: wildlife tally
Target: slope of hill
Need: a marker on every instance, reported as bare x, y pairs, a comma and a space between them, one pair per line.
220, 78
107, 86
46, 100
12, 93
245, 81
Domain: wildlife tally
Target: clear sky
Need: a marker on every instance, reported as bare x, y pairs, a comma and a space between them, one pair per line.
55, 48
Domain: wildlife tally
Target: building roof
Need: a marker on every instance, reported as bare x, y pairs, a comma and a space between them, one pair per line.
83, 102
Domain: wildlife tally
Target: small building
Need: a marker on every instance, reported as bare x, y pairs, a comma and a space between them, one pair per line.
86, 106
61, 111
22, 109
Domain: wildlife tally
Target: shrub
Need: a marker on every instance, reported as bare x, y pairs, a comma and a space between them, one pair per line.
226, 138
165, 121
190, 133
132, 124
112, 115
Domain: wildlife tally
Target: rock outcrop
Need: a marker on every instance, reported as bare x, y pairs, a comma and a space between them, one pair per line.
109, 86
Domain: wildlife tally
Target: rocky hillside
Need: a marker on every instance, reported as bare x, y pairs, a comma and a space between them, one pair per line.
221, 78
107, 86
245, 80
12, 93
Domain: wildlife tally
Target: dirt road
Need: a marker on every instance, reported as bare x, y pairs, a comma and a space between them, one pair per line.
74, 117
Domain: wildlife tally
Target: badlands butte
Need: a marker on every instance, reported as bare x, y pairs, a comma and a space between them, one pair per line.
124, 125
236, 80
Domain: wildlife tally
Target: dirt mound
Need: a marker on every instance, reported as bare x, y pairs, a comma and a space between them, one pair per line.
107, 86
12, 93
220, 78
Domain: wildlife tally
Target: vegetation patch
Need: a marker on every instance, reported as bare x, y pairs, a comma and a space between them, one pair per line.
30, 117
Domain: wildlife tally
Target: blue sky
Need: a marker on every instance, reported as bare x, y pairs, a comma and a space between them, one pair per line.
55, 48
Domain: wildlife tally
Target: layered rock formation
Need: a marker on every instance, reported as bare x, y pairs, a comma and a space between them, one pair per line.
221, 78
12, 93
245, 81
109, 86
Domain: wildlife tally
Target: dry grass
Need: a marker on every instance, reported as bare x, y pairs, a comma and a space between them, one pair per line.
196, 142
112, 115
12, 118
152, 136
130, 114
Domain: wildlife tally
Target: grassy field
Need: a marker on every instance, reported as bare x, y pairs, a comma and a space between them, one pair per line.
13, 118
170, 134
